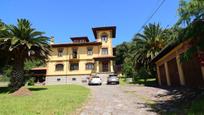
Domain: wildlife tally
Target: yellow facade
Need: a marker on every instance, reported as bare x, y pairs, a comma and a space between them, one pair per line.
98, 59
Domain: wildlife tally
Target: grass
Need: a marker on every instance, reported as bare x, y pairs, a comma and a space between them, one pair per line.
149, 82
122, 81
46, 100
197, 107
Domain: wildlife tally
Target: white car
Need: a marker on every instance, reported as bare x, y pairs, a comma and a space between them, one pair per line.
95, 80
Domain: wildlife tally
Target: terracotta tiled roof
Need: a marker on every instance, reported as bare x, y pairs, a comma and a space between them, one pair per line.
113, 28
76, 44
83, 37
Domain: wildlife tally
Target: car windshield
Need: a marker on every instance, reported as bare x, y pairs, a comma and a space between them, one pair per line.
95, 77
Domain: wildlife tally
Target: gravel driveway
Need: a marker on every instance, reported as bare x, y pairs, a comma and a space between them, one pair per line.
114, 100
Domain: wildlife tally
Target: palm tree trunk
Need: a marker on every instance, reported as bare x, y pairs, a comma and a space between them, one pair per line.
17, 76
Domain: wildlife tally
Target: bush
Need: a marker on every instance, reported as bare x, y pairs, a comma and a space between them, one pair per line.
4, 79
6, 73
31, 82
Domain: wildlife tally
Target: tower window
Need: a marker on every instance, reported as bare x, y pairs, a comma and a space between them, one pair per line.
104, 51
104, 38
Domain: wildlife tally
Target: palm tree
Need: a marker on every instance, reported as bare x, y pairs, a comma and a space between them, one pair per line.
147, 45
22, 43
191, 20
3, 57
190, 11
1, 24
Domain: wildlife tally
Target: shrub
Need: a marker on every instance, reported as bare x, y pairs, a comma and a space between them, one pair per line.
31, 81
6, 73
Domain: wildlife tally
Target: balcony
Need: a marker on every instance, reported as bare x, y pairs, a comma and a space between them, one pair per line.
74, 56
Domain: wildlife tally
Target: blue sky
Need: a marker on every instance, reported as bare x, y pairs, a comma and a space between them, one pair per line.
70, 18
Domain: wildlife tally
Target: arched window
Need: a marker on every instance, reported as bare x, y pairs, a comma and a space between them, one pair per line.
59, 67
104, 37
89, 66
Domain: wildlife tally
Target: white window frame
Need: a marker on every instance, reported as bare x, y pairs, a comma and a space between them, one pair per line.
103, 52
89, 66
89, 52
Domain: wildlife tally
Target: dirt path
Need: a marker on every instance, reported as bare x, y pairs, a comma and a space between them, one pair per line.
115, 100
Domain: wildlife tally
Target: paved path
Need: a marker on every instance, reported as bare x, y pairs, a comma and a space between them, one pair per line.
114, 100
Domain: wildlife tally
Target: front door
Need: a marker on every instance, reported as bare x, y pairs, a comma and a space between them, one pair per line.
105, 66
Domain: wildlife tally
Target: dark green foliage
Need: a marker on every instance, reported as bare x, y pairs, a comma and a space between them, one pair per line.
197, 107
121, 52
6, 72
148, 44
192, 19
127, 68
31, 81
138, 53
142, 73
32, 64
22, 43
190, 11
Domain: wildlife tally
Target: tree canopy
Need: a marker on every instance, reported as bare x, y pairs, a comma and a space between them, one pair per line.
22, 43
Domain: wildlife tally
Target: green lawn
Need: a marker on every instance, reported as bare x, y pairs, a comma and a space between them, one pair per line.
197, 107
46, 100
149, 82
122, 81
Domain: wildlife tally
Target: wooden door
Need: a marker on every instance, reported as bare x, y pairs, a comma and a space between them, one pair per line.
192, 73
173, 72
162, 75
105, 66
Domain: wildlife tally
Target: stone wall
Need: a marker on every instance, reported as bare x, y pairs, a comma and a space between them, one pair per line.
55, 80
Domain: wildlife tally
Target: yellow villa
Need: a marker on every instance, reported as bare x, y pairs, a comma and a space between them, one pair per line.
73, 62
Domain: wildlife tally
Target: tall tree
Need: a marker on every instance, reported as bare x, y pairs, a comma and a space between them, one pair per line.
148, 44
22, 42
189, 11
191, 18
145, 46
121, 52
3, 57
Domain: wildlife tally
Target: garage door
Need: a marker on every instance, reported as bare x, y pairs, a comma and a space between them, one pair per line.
162, 75
192, 73
173, 72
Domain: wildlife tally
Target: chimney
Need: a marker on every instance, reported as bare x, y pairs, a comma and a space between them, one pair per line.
52, 40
